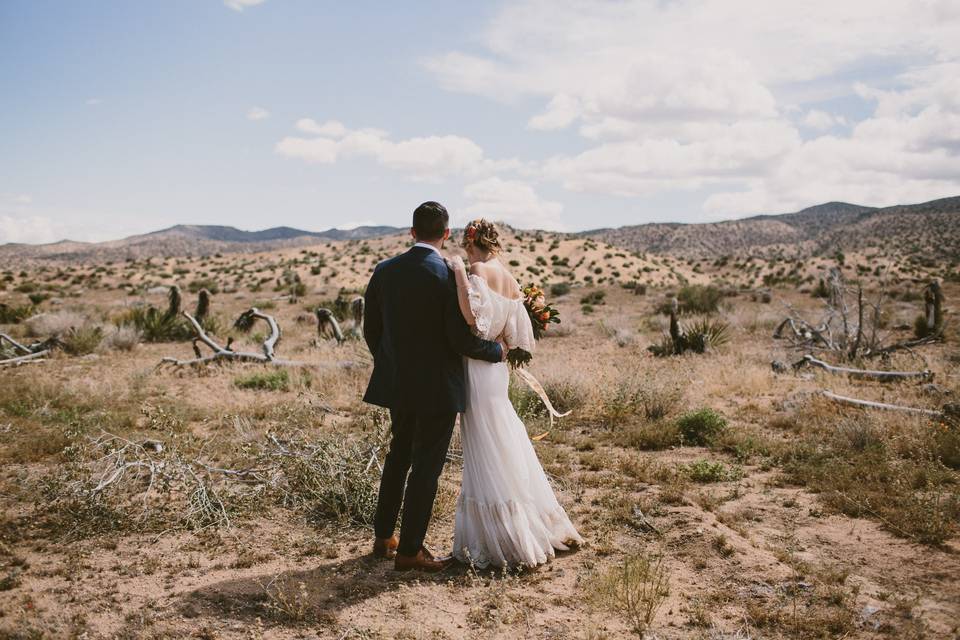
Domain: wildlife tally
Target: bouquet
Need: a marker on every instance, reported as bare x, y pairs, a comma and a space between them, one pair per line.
542, 315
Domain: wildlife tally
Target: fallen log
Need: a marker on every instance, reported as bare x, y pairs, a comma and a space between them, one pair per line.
27, 359
870, 404
865, 374
36, 352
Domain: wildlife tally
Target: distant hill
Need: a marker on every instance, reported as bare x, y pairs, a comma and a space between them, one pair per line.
931, 228
929, 231
182, 240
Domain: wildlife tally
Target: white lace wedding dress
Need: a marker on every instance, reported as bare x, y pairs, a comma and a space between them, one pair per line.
507, 513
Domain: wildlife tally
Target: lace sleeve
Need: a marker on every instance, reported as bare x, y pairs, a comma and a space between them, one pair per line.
518, 332
480, 303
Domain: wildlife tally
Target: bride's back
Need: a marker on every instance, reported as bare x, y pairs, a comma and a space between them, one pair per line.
498, 278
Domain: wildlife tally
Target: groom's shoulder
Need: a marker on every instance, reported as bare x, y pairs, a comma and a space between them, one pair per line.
390, 262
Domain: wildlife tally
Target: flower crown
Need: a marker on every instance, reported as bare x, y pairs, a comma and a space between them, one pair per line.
472, 229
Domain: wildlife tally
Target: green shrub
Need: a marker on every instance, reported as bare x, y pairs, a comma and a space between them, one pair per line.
701, 428
209, 284
155, 325
593, 298
709, 471
695, 298
277, 380
15, 314
560, 289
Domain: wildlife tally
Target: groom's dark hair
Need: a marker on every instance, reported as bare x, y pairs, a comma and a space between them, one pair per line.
430, 220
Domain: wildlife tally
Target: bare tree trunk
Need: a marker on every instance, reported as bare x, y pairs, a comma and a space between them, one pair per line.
933, 304
675, 334
203, 306
855, 349
357, 307
327, 324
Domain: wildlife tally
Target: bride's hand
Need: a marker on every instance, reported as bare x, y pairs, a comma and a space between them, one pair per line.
456, 263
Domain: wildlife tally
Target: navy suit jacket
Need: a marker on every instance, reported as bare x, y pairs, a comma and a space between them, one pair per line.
417, 335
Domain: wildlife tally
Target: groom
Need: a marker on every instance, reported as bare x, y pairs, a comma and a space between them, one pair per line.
416, 333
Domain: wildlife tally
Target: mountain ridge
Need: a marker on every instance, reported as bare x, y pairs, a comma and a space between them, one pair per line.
931, 227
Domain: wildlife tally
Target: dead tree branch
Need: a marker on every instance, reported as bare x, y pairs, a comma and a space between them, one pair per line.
244, 322
866, 374
869, 404
36, 352
851, 337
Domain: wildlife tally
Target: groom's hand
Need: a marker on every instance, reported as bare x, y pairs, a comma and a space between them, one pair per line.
503, 350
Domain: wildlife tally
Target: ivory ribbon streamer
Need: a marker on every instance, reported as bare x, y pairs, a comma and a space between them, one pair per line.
538, 389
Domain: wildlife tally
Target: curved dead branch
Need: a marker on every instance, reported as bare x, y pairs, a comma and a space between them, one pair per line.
244, 322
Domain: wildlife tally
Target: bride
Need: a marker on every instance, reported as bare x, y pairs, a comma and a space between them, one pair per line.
507, 513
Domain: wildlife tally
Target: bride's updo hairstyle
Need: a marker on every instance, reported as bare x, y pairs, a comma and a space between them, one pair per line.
483, 235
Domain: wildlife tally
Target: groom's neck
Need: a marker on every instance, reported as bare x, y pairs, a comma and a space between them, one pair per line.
433, 243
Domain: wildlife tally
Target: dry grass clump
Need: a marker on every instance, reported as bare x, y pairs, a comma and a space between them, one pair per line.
889, 468
112, 483
629, 399
82, 340
815, 603
635, 589
123, 338
330, 478
79, 405
566, 393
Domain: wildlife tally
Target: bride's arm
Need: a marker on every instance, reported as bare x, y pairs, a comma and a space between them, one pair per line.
463, 297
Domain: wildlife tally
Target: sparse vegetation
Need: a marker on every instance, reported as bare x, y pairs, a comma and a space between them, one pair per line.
255, 485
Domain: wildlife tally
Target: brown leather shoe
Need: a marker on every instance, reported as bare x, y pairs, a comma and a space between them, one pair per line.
423, 561
385, 548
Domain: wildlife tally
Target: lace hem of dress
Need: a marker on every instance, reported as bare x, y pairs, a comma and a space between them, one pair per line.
511, 533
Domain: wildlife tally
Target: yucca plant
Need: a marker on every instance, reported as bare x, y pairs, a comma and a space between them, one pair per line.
707, 333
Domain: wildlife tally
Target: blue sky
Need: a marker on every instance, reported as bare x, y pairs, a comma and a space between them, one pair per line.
124, 117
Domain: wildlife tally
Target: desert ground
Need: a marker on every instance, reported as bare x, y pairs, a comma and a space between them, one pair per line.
720, 497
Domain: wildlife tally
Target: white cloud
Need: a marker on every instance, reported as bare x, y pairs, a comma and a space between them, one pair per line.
29, 229
690, 94
257, 113
821, 120
240, 5
23, 198
513, 202
429, 158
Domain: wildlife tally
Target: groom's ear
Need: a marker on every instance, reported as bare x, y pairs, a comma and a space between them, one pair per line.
413, 233
446, 234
